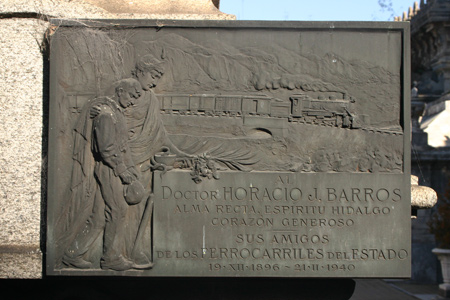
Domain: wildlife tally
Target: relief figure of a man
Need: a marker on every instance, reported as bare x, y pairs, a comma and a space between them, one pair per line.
117, 179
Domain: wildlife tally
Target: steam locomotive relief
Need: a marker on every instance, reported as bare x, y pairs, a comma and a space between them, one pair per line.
300, 108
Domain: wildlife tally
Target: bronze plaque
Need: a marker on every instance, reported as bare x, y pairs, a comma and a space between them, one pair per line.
228, 148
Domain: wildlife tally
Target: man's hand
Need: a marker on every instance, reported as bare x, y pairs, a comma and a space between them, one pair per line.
184, 162
95, 111
127, 177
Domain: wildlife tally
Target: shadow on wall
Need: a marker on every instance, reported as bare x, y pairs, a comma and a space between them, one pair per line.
191, 288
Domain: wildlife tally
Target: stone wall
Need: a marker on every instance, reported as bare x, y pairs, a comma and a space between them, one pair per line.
23, 112
21, 119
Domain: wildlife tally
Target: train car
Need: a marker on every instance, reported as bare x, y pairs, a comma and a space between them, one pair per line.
164, 102
195, 103
186, 102
256, 105
229, 104
180, 102
202, 103
174, 102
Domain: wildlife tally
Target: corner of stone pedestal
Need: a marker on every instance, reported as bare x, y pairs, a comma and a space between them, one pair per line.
20, 262
53, 9
116, 9
164, 9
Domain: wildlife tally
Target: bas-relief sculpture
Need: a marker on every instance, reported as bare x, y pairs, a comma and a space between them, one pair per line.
165, 136
102, 136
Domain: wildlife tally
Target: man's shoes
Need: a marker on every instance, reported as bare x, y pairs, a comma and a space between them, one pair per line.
141, 261
76, 262
119, 264
142, 266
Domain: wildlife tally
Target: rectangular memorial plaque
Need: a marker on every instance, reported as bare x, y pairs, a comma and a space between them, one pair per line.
218, 148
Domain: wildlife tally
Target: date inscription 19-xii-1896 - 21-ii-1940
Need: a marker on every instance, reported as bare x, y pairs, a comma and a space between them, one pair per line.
229, 149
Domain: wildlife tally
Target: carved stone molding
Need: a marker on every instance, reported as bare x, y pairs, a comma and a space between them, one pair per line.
159, 6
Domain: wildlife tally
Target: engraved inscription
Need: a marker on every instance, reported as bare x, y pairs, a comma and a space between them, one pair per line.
271, 224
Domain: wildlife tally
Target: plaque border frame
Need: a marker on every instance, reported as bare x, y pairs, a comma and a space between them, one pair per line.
363, 26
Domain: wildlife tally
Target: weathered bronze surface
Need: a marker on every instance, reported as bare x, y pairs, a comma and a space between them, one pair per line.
206, 148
